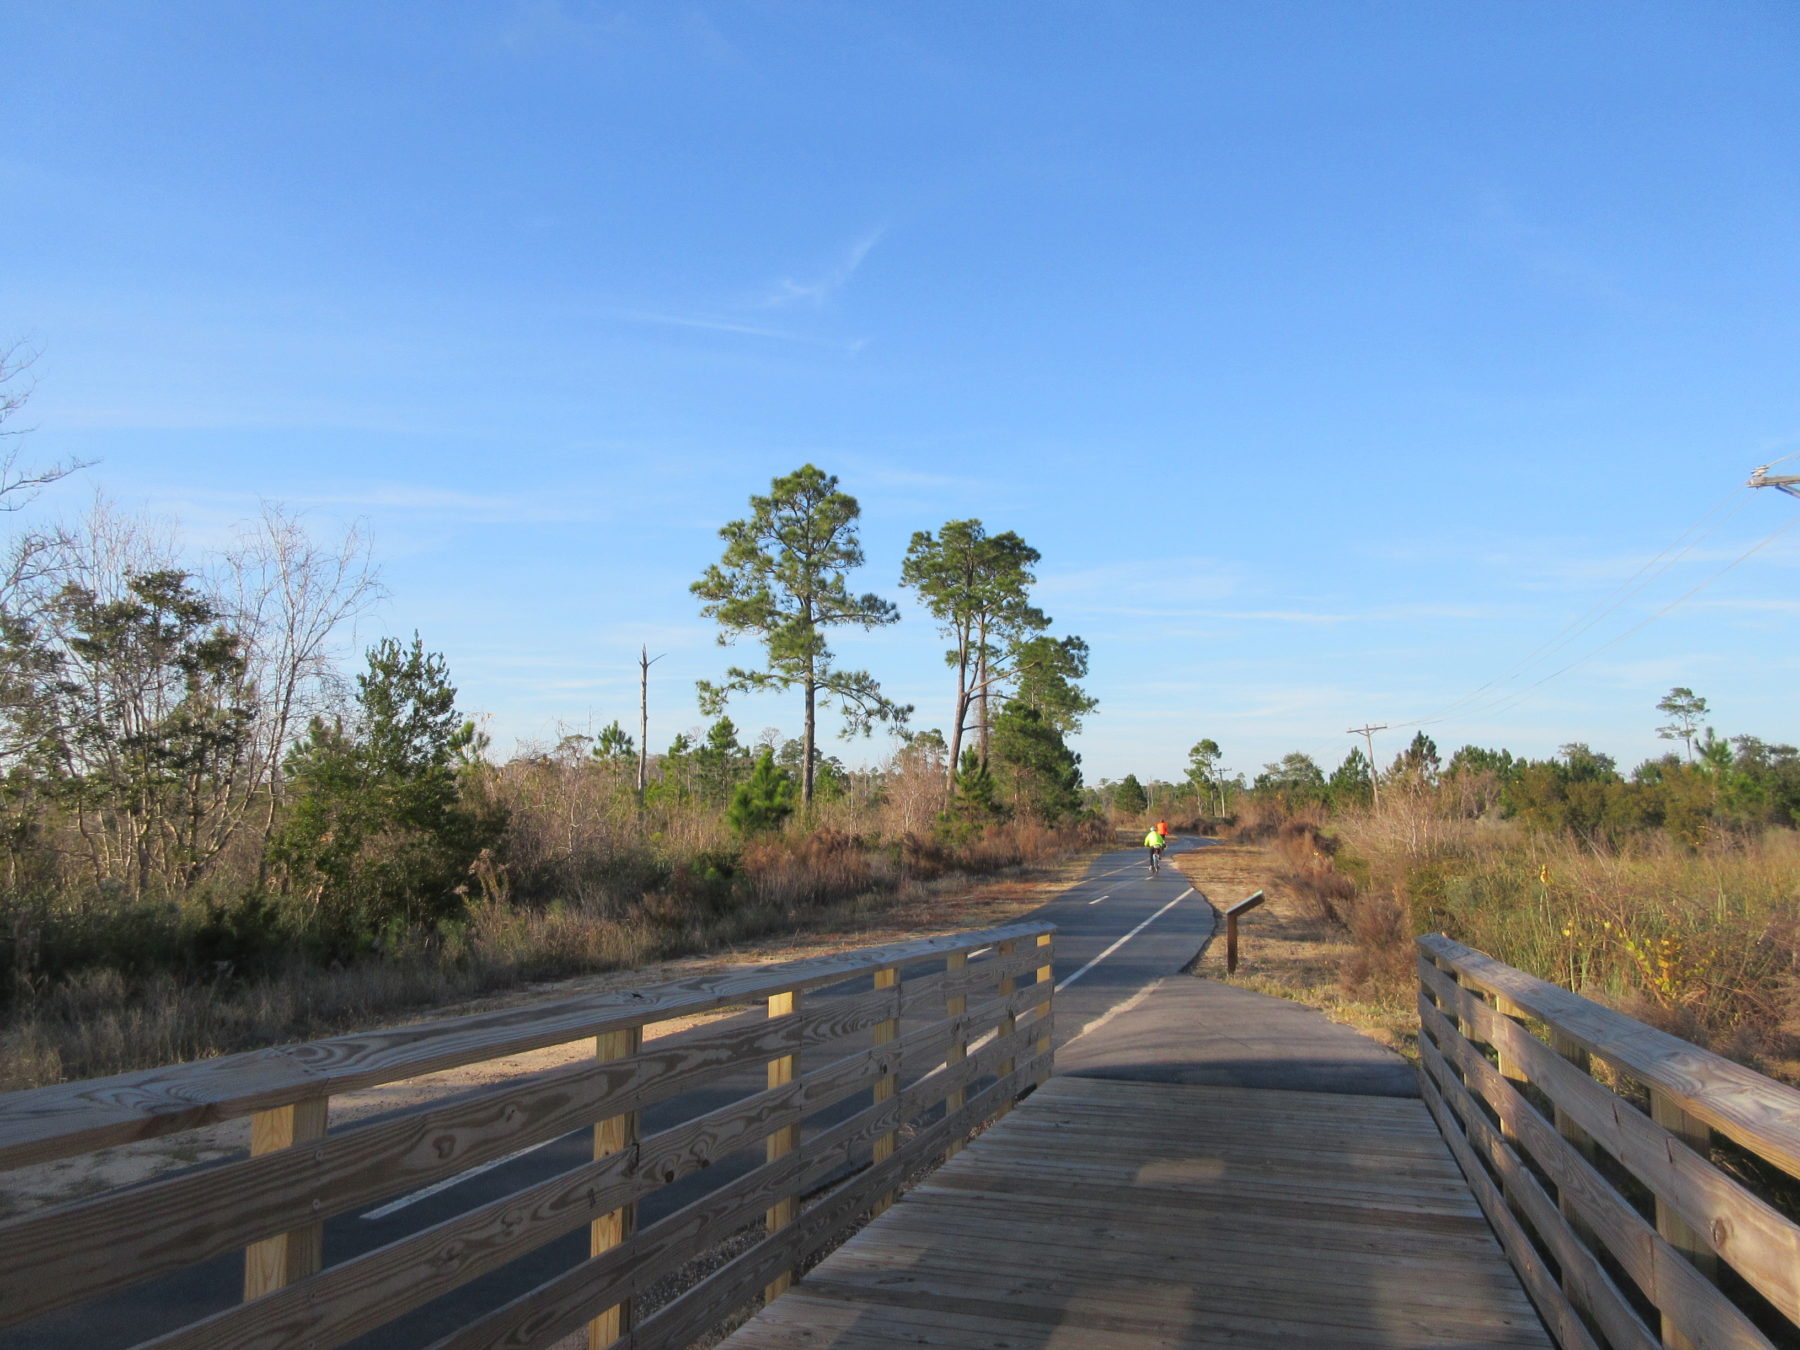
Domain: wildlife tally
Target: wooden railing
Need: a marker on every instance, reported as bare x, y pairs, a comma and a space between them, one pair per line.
959, 1022
1622, 1211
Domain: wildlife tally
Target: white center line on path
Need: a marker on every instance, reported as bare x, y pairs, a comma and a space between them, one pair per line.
1122, 941
1097, 899
426, 1192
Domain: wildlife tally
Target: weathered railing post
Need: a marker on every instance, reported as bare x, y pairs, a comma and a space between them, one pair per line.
1579, 1139
266, 1212
1561, 1183
280, 1260
610, 1230
956, 1007
1009, 1023
782, 1142
885, 1034
1045, 974
1677, 1231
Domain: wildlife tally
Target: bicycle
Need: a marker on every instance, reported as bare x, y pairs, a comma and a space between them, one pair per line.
1155, 861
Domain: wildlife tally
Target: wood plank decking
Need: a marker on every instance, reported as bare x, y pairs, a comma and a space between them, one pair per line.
1123, 1215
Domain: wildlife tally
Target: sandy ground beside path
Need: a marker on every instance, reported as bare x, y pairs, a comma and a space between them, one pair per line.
964, 905
1287, 948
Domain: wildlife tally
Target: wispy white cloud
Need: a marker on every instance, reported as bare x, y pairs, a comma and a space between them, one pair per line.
534, 24
712, 325
208, 509
1152, 582
817, 290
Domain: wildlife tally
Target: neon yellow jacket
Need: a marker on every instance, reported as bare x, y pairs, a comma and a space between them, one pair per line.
1153, 840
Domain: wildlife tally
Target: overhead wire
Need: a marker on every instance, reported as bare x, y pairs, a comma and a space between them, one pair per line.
1523, 694
1649, 572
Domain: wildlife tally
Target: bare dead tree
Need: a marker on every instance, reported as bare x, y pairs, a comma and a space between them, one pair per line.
292, 598
20, 485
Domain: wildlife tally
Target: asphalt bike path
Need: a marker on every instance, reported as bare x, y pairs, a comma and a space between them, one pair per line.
1122, 931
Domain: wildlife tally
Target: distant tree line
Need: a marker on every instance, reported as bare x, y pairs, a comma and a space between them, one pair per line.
1715, 785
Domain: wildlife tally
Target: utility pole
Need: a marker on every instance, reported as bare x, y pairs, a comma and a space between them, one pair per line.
1368, 735
1781, 482
645, 661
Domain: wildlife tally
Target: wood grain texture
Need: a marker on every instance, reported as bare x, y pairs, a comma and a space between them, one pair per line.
357, 1296
1164, 1244
728, 1289
54, 1122
1690, 1304
885, 1033
276, 1261
157, 1229
610, 1230
539, 1317
1558, 1313
1743, 1105
956, 1003
1757, 1241
1584, 1282
785, 1140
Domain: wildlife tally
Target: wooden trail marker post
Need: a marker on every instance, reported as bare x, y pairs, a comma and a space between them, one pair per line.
1232, 915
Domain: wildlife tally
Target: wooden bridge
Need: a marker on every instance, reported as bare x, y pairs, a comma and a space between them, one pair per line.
1570, 1177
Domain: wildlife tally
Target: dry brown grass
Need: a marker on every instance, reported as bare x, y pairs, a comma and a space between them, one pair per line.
1704, 944
945, 905
1291, 947
807, 895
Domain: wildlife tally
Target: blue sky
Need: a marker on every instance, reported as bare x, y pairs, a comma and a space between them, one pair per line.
1335, 356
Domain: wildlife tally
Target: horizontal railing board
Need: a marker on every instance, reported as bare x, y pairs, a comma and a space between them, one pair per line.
1552, 1304
842, 1144
924, 995
1759, 1243
54, 1122
690, 1315
165, 1226
617, 1274
153, 1230
1755, 1111
356, 1296
1700, 1309
563, 1303
364, 1293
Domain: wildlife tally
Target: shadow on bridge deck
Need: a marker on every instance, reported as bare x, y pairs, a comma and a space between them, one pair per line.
1115, 1215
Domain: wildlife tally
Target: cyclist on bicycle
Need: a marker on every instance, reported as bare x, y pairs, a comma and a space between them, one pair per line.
1154, 842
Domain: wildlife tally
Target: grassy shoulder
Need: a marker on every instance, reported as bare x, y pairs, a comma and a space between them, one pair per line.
818, 893
1290, 949
948, 904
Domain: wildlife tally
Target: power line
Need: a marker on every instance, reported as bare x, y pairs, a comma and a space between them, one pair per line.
1511, 701
1368, 735
1582, 623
